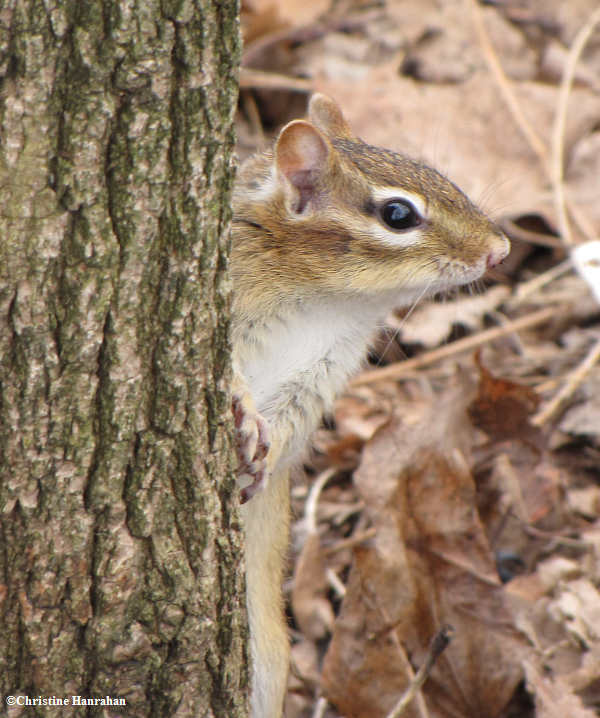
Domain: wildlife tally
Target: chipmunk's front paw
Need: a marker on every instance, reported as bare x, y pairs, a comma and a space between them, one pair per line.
252, 447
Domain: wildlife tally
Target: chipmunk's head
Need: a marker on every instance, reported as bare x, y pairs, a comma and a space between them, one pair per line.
341, 215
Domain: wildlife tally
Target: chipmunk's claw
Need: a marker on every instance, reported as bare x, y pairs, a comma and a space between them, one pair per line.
252, 447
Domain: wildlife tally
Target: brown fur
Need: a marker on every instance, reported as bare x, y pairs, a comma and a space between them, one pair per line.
309, 242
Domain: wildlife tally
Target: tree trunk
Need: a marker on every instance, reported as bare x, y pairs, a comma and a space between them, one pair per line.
120, 540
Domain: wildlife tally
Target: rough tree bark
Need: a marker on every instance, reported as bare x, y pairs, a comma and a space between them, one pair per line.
120, 541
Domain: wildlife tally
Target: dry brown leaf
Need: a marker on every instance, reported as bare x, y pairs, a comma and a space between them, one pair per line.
431, 323
585, 501
588, 673
556, 17
305, 662
577, 607
312, 611
556, 569
525, 589
542, 491
583, 418
300, 12
552, 65
502, 409
528, 489
263, 17
260, 19
583, 165
553, 697
360, 415
520, 493
445, 52
429, 564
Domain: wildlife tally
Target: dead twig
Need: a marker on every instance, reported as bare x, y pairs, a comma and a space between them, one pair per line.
535, 142
573, 381
320, 708
263, 80
306, 33
526, 289
508, 226
310, 507
354, 540
553, 538
395, 371
560, 121
335, 583
505, 87
437, 647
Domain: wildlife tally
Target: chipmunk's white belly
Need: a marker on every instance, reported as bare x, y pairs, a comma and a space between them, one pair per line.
303, 358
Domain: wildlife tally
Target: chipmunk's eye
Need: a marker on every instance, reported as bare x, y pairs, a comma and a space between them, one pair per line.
400, 214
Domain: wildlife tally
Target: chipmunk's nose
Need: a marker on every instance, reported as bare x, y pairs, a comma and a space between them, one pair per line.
499, 251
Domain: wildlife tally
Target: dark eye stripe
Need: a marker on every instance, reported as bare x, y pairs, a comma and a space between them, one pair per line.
370, 208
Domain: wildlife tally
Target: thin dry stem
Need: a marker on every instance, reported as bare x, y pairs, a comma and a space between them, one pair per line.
437, 647
535, 142
573, 381
526, 289
336, 584
264, 80
400, 369
320, 708
554, 537
310, 507
510, 227
505, 86
560, 121
354, 540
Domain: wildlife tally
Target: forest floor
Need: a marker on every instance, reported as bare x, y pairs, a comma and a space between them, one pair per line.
454, 495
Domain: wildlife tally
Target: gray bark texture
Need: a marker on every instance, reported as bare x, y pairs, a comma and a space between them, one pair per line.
120, 544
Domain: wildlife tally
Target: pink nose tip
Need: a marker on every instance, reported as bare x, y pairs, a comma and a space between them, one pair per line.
497, 255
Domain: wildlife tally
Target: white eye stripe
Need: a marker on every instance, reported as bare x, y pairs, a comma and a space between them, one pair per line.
388, 237
372, 229
383, 194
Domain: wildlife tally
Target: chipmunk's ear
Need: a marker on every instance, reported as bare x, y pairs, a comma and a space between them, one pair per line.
327, 116
302, 156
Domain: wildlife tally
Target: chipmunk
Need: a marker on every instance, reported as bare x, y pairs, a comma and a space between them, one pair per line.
329, 234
